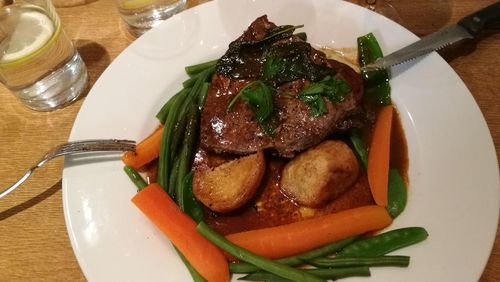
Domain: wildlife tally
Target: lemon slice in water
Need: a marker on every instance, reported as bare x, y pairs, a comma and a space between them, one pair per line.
135, 4
32, 31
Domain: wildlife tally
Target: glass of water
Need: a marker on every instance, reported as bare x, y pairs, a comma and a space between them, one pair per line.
142, 15
38, 63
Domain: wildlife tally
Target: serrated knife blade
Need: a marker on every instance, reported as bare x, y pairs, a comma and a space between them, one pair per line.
466, 28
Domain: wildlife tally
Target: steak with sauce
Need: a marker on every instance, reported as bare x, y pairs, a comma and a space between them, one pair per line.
295, 129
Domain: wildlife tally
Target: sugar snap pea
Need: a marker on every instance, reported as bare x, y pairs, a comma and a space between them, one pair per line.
397, 194
268, 265
359, 147
402, 261
384, 243
325, 250
376, 82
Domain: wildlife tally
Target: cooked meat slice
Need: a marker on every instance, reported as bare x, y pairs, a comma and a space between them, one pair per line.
320, 174
295, 129
230, 185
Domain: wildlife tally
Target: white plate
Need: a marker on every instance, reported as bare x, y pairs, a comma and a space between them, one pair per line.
454, 190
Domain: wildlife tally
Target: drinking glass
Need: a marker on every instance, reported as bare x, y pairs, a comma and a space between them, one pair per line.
38, 62
383, 7
142, 15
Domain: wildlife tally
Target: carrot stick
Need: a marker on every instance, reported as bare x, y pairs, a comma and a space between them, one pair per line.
378, 156
146, 151
204, 256
294, 238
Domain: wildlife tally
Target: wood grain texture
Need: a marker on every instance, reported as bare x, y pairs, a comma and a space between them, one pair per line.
34, 244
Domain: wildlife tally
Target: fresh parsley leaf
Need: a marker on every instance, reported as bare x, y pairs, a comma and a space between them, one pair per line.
313, 89
335, 89
317, 106
259, 97
268, 128
330, 87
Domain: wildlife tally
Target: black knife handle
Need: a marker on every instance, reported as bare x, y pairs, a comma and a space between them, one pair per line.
475, 22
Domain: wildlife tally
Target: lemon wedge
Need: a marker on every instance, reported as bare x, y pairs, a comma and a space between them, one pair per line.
134, 4
33, 30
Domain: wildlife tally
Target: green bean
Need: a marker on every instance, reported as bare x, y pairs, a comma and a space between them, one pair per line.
194, 69
397, 194
261, 262
192, 80
163, 113
174, 128
337, 273
199, 83
165, 159
173, 177
186, 152
193, 96
402, 261
384, 243
263, 276
297, 259
203, 95
179, 128
194, 274
332, 273
191, 205
135, 177
359, 148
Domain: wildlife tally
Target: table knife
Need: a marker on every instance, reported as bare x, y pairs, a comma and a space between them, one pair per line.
467, 28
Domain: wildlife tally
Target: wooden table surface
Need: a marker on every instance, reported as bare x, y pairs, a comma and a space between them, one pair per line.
34, 244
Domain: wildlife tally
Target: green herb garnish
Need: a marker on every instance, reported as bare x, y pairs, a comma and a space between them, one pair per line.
291, 61
330, 87
260, 98
277, 33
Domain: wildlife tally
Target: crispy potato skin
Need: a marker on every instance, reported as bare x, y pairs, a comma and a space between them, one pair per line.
320, 174
229, 185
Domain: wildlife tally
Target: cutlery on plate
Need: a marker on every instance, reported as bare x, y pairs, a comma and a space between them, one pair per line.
76, 147
467, 28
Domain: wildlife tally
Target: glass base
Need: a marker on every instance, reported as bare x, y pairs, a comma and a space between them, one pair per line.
58, 88
141, 20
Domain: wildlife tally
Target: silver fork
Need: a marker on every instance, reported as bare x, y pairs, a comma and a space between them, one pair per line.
76, 147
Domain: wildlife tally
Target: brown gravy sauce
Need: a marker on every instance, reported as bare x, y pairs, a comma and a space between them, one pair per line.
270, 207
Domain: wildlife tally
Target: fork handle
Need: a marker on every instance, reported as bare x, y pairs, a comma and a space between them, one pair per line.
17, 183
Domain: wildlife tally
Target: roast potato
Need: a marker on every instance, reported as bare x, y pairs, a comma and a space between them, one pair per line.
320, 174
231, 184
